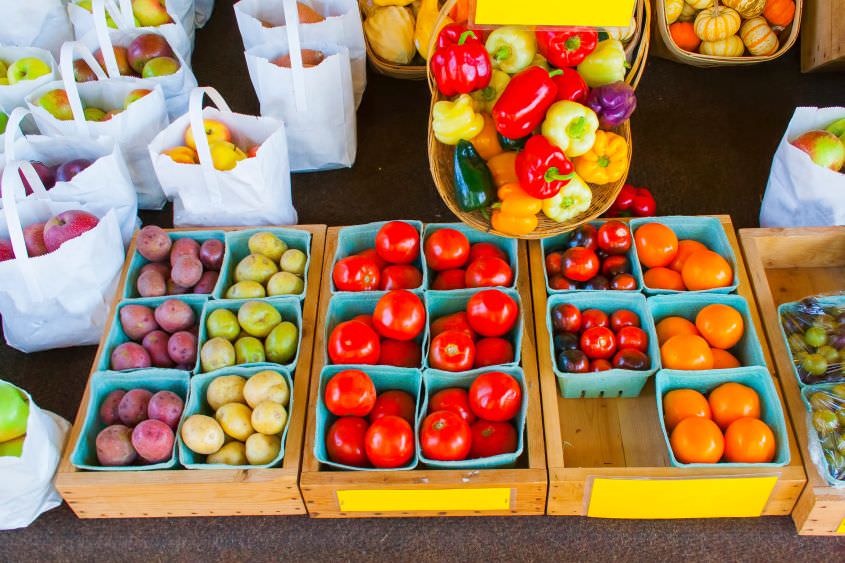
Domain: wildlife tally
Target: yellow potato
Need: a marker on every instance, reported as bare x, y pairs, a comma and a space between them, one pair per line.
261, 449
225, 389
234, 418
202, 434
279, 394
269, 418
257, 388
233, 453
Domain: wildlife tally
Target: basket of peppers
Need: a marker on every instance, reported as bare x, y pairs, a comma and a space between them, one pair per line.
528, 131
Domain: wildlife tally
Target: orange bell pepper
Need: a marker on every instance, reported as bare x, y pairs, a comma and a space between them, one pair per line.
487, 143
503, 168
517, 212
460, 11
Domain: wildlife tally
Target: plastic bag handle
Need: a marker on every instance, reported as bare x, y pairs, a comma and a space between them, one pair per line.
201, 139
12, 189
295, 52
102, 30
71, 88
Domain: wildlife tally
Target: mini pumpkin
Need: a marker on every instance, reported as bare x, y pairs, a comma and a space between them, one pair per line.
779, 12
730, 47
700, 4
687, 13
758, 37
673, 9
684, 36
716, 23
746, 8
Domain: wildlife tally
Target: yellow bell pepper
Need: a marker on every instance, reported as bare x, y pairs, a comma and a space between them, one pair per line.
503, 168
426, 20
487, 143
487, 97
511, 48
392, 2
575, 198
517, 212
453, 121
571, 127
606, 162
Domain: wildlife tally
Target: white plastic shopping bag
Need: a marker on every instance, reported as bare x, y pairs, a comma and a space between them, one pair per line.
102, 186
62, 298
255, 192
203, 10
26, 482
342, 25
132, 129
801, 193
35, 23
13, 95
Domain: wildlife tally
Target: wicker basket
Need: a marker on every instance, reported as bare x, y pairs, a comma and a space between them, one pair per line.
665, 47
441, 156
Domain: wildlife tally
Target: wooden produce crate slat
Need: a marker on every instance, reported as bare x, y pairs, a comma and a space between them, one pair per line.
618, 438
429, 492
788, 265
192, 492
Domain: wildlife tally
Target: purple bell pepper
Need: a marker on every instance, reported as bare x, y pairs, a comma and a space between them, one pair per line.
613, 103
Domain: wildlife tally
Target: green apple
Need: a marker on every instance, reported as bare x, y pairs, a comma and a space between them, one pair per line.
57, 104
217, 353
160, 66
12, 448
293, 261
14, 412
27, 68
267, 244
249, 350
837, 128
150, 13
222, 323
285, 283
258, 318
4, 119
255, 267
280, 345
246, 290
94, 114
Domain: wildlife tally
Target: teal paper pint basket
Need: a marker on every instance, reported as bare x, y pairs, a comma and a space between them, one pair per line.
385, 378
613, 382
137, 262
344, 306
706, 230
757, 378
442, 303
816, 452
508, 245
287, 306
358, 238
116, 336
558, 242
435, 380
197, 404
237, 249
826, 301
84, 455
748, 350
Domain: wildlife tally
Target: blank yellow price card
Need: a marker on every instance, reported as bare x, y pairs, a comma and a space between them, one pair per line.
594, 13
398, 500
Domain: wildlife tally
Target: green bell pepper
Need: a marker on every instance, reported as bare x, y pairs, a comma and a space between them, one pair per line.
605, 65
474, 188
513, 144
511, 48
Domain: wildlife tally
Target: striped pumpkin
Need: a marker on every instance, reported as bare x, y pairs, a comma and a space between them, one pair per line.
700, 4
730, 47
673, 9
716, 23
687, 13
758, 37
746, 8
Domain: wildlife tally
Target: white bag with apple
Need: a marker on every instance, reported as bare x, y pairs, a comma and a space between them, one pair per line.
85, 170
59, 266
22, 70
321, 21
31, 443
130, 120
36, 23
806, 185
217, 184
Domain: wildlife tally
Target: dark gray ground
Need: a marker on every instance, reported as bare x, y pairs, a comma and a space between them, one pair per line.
703, 141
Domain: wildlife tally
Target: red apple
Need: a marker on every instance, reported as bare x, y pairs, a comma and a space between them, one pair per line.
66, 226
145, 47
121, 55
46, 173
823, 147
82, 72
6, 252
68, 170
33, 236
252, 151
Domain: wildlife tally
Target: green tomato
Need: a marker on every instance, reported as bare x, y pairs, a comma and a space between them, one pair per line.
829, 353
815, 337
814, 364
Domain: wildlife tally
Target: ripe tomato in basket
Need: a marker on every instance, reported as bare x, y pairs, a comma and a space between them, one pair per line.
482, 249
345, 441
614, 238
356, 273
353, 342
446, 249
456, 321
396, 403
398, 242
489, 271
400, 353
492, 352
445, 436
598, 342
580, 264
454, 399
495, 396
399, 315
350, 393
492, 438
492, 312
400, 276
450, 279
389, 442
452, 351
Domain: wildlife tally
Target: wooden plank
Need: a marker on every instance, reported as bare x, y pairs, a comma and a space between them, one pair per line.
823, 36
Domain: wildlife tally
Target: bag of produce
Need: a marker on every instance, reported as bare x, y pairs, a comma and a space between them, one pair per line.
59, 266
814, 329
806, 185
36, 23
321, 21
79, 169
119, 108
237, 173
31, 443
826, 442
30, 68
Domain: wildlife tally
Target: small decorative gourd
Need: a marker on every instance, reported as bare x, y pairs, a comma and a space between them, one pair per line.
687, 13
779, 12
758, 37
684, 36
716, 23
673, 9
730, 47
700, 4
746, 8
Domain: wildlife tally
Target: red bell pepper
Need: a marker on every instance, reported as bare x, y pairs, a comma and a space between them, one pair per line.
523, 104
460, 64
542, 169
570, 86
566, 48
633, 202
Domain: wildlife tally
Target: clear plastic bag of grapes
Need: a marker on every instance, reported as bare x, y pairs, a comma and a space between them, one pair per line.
814, 329
826, 425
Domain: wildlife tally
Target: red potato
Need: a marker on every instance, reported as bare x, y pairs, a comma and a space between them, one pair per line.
133, 406
151, 284
211, 254
114, 446
153, 440
153, 243
187, 271
108, 408
130, 355
137, 321
155, 343
175, 289
182, 348
184, 247
166, 406
161, 267
174, 315
207, 282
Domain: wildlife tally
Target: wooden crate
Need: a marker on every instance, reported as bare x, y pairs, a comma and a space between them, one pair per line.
424, 492
823, 36
183, 492
786, 265
608, 457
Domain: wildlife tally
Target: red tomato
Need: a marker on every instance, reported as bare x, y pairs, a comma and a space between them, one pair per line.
373, 255
398, 242
600, 365
614, 238
345, 441
451, 351
366, 319
585, 235
400, 353
450, 279
399, 315
566, 318
456, 321
353, 342
593, 317
493, 352
489, 271
445, 436
453, 399
480, 249
632, 337
492, 312
559, 282
495, 396
623, 282
394, 403
598, 342
446, 249
492, 438
400, 276
350, 393
554, 263
356, 273
622, 318
389, 442
630, 359
580, 264
615, 265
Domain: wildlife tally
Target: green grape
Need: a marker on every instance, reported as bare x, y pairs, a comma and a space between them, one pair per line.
814, 364
825, 422
815, 337
829, 353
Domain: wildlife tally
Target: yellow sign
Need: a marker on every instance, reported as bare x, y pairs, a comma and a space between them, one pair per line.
717, 497
841, 528
398, 500
592, 13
